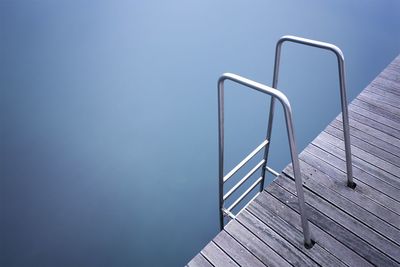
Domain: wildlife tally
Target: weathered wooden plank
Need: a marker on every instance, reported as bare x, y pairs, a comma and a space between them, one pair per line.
393, 99
258, 248
336, 229
385, 166
336, 180
386, 85
355, 226
395, 62
391, 74
368, 138
326, 161
374, 121
388, 75
216, 256
377, 165
319, 252
379, 103
199, 261
236, 251
332, 158
358, 162
386, 202
269, 206
392, 71
391, 103
395, 68
275, 241
377, 133
372, 116
379, 86
359, 141
376, 109
349, 201
373, 132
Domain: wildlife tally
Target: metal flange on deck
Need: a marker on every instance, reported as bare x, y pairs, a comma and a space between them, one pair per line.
262, 165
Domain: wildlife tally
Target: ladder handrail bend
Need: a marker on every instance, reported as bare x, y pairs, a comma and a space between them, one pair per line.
274, 93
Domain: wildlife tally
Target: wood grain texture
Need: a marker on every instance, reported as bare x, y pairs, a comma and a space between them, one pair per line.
199, 261
351, 227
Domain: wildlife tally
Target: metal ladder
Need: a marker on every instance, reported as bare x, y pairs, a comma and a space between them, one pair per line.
275, 94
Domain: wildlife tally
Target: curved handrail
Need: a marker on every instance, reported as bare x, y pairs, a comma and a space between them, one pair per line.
345, 117
274, 93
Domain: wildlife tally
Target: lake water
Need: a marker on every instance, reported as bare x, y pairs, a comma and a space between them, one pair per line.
108, 148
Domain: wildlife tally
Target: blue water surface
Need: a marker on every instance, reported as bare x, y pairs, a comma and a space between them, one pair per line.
108, 115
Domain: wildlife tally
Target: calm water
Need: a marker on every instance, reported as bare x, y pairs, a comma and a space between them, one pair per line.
108, 148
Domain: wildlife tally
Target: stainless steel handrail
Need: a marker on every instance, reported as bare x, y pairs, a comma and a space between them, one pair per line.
343, 97
274, 93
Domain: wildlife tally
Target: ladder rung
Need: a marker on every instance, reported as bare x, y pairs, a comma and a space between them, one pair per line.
244, 179
248, 203
237, 201
245, 160
272, 171
228, 213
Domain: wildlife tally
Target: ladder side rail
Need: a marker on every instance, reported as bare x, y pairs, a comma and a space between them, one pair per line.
343, 97
274, 93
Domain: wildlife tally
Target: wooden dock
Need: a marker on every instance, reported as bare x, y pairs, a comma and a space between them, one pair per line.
358, 227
